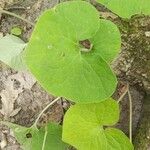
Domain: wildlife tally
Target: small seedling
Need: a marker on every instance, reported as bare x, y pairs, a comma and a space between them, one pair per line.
16, 31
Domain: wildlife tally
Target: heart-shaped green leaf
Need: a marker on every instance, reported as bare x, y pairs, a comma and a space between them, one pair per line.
11, 48
127, 8
58, 57
86, 127
48, 138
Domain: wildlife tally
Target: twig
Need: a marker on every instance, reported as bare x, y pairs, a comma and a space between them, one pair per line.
130, 109
123, 95
17, 16
16, 8
50, 104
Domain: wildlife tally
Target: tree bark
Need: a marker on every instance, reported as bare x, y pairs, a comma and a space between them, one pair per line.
142, 137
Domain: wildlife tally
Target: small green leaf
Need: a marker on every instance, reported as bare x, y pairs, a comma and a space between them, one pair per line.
127, 8
11, 48
33, 139
85, 127
56, 58
16, 31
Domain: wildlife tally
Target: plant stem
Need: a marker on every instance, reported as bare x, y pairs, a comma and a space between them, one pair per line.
17, 16
130, 117
123, 95
50, 104
130, 109
44, 140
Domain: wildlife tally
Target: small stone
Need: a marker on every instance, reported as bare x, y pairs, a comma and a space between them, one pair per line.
148, 137
28, 7
147, 33
3, 142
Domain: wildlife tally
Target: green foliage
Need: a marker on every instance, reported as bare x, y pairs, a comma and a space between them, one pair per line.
16, 31
56, 57
86, 127
127, 8
11, 48
34, 139
69, 53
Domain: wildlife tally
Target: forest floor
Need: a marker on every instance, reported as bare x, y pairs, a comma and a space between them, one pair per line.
22, 98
